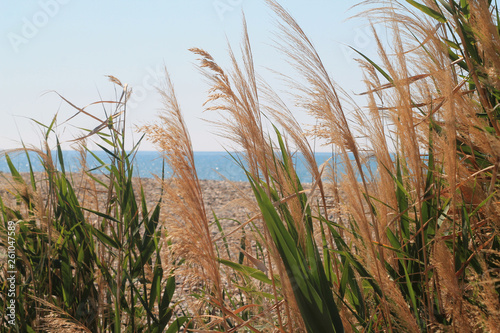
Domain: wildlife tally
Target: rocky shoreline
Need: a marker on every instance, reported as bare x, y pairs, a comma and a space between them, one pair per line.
231, 202
219, 196
224, 198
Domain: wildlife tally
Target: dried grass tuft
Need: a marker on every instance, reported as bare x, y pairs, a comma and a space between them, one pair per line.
188, 225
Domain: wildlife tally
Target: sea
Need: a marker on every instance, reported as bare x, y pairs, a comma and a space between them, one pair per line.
147, 164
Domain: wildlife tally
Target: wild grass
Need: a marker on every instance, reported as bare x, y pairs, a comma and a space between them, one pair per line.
89, 249
412, 246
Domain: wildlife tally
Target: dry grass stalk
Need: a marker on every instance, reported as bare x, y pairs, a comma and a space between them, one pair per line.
320, 99
236, 94
190, 232
451, 292
56, 319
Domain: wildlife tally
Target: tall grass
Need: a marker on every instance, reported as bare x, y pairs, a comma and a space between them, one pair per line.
89, 249
412, 246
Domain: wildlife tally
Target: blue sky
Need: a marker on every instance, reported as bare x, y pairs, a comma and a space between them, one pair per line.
69, 46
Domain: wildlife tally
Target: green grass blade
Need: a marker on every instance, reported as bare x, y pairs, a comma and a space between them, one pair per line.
429, 11
248, 271
311, 288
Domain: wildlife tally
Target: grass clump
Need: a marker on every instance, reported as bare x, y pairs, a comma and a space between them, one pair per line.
89, 249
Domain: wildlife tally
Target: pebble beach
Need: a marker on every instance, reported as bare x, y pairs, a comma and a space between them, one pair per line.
220, 197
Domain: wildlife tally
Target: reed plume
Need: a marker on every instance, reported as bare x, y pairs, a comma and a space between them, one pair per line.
236, 96
189, 229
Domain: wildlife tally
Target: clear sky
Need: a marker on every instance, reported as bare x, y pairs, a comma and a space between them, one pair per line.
69, 46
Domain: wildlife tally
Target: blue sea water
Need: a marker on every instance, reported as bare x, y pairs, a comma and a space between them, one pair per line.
209, 165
